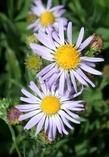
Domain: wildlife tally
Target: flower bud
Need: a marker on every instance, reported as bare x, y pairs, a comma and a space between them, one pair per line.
97, 43
13, 115
106, 70
31, 18
31, 39
44, 138
33, 62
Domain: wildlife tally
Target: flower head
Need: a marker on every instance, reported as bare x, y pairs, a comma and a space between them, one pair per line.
68, 62
46, 17
49, 111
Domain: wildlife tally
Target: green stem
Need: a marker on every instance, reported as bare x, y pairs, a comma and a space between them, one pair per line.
103, 83
14, 139
16, 83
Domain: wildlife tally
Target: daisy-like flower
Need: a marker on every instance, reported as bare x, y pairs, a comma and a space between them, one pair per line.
46, 17
68, 65
49, 111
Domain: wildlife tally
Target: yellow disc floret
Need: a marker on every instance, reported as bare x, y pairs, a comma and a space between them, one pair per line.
67, 57
47, 18
50, 105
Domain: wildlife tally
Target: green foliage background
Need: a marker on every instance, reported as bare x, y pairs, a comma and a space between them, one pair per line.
92, 136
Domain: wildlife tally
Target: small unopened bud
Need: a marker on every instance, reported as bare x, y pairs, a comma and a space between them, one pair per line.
97, 43
13, 115
106, 70
31, 18
31, 39
33, 62
44, 138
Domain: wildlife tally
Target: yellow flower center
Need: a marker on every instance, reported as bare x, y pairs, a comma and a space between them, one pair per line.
67, 57
50, 105
47, 18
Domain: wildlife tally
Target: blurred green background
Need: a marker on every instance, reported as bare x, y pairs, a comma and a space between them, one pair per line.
89, 139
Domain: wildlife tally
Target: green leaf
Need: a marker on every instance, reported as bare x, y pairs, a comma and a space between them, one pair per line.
104, 32
24, 10
13, 65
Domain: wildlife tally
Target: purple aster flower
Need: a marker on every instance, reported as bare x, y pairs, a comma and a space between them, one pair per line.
68, 64
49, 111
46, 17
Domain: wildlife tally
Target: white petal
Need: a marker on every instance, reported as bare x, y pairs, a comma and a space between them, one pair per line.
72, 103
65, 121
42, 51
58, 124
51, 41
74, 116
47, 41
73, 81
50, 73
33, 25
79, 71
50, 131
43, 86
74, 109
53, 78
69, 32
59, 13
64, 98
61, 83
90, 64
78, 93
33, 121
56, 37
36, 28
65, 22
78, 107
49, 4
79, 78
68, 81
61, 31
40, 125
68, 117
80, 37
28, 94
62, 125
86, 43
28, 115
28, 100
46, 125
57, 8
35, 89
90, 70
39, 5
26, 108
35, 10
45, 70
56, 44
92, 59
54, 127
